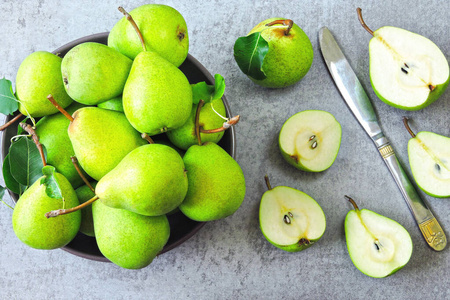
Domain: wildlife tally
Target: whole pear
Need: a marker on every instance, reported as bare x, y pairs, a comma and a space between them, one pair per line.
33, 228
93, 73
289, 57
157, 96
38, 76
163, 28
216, 183
184, 136
112, 104
101, 138
150, 180
128, 239
84, 193
52, 133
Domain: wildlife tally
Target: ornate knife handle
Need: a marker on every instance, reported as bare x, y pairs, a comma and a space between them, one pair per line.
429, 226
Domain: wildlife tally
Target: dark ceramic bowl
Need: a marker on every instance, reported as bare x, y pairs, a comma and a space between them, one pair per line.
181, 228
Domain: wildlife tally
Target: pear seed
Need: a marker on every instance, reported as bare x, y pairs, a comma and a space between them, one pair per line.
314, 145
286, 219
438, 167
290, 214
404, 71
311, 138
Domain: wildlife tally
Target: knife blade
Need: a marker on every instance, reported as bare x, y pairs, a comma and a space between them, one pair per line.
360, 105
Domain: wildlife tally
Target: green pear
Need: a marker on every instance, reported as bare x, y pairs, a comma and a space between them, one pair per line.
169, 143
407, 70
378, 246
289, 58
84, 194
310, 140
101, 138
33, 228
184, 136
151, 180
93, 73
128, 239
163, 29
112, 104
157, 96
52, 133
38, 76
290, 219
216, 183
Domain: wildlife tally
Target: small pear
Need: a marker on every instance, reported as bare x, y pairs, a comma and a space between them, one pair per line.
84, 194
151, 180
38, 76
128, 239
93, 73
184, 136
52, 133
101, 138
157, 96
216, 183
33, 228
163, 28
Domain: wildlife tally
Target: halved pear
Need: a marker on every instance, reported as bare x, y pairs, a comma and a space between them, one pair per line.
290, 219
310, 140
378, 246
429, 158
407, 70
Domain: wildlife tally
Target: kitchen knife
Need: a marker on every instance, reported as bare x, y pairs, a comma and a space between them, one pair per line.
361, 107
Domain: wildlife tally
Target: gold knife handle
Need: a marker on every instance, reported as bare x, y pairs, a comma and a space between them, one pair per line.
429, 226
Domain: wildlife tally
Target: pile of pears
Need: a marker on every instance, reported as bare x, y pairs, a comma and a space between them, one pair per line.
111, 96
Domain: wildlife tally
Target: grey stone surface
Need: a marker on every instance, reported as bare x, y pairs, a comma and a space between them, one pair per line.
230, 259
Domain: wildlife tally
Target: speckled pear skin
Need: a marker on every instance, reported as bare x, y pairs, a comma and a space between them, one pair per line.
84, 194
157, 96
52, 133
34, 229
163, 28
216, 183
151, 180
93, 73
184, 136
38, 76
101, 138
112, 104
128, 239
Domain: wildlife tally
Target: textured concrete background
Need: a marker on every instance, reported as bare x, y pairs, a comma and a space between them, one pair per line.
230, 259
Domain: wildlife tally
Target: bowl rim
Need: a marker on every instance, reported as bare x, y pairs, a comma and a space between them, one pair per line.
204, 71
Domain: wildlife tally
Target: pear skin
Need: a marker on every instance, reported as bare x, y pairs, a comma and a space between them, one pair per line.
84, 194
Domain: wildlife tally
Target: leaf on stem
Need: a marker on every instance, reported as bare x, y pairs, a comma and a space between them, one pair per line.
8, 102
10, 182
249, 53
25, 161
207, 92
52, 188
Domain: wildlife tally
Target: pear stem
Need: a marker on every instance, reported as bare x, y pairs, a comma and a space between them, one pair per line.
286, 22
28, 128
231, 122
133, 23
266, 178
59, 212
361, 20
148, 138
405, 122
77, 167
62, 110
4, 126
352, 202
197, 121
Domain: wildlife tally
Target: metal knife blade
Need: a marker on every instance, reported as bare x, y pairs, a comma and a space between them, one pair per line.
361, 107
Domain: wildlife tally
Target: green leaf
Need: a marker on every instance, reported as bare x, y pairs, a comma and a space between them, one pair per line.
208, 92
249, 53
25, 161
52, 188
8, 102
10, 182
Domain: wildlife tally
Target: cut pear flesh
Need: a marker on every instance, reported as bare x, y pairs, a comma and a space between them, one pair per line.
377, 245
311, 139
288, 216
405, 67
429, 158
